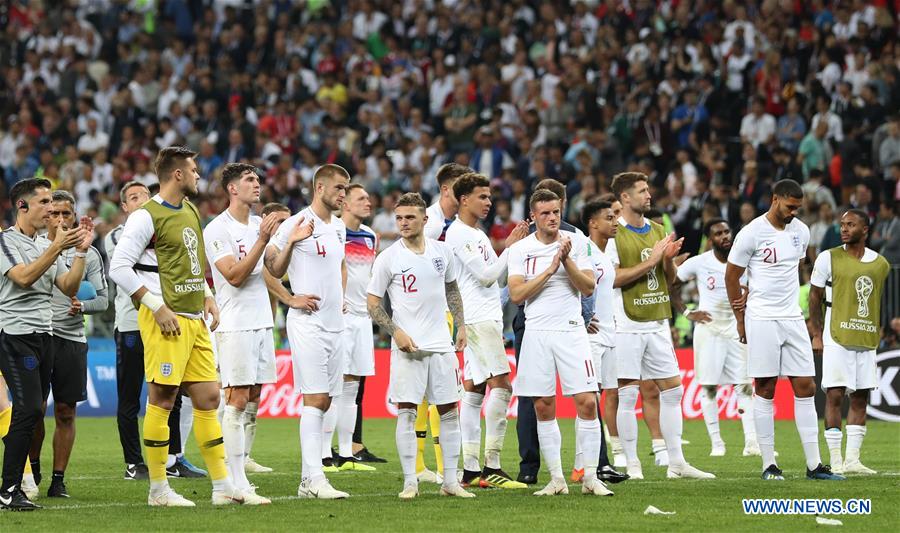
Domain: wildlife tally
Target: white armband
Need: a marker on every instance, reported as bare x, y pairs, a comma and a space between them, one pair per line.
152, 301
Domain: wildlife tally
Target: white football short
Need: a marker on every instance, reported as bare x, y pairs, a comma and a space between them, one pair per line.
318, 361
485, 355
646, 355
778, 348
418, 376
544, 354
358, 344
245, 357
719, 359
848, 368
604, 363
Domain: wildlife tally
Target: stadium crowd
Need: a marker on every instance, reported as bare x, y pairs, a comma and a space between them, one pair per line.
715, 101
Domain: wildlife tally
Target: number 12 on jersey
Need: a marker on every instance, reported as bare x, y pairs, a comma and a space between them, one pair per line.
409, 281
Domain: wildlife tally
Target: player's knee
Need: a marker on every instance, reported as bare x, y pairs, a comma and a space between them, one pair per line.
499, 382
859, 399
744, 389
587, 408
710, 391
64, 414
239, 397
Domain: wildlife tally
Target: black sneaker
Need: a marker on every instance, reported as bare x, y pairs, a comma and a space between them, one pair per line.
182, 468
15, 500
528, 479
823, 472
327, 461
773, 473
57, 489
138, 471
608, 474
471, 478
365, 456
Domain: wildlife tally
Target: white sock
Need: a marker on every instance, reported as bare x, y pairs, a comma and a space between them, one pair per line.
223, 485
808, 426
495, 426
250, 426
855, 436
233, 437
450, 445
834, 437
710, 408
745, 407
346, 421
588, 434
550, 443
186, 421
329, 421
220, 411
170, 460
616, 445
157, 487
578, 464
671, 423
470, 428
764, 419
406, 444
626, 420
311, 442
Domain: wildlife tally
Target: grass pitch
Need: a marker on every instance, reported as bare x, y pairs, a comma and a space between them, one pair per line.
103, 501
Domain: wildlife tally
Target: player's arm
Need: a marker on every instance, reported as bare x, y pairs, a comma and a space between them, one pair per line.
521, 290
733, 275
25, 274
455, 303
628, 275
69, 282
276, 288
379, 316
583, 280
821, 274
236, 271
278, 253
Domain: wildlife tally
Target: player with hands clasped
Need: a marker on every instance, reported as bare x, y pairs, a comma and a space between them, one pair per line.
419, 275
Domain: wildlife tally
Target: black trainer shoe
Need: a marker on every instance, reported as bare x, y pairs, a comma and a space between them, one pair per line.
608, 474
183, 468
773, 473
366, 456
528, 479
138, 471
327, 461
823, 472
497, 478
471, 478
15, 500
57, 489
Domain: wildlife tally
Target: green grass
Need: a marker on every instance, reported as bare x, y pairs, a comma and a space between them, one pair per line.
103, 501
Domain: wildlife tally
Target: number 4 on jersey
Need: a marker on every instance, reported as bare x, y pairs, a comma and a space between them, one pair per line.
320, 249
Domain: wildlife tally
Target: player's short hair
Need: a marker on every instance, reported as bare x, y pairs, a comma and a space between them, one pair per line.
624, 181
411, 199
353, 187
608, 197
169, 159
467, 183
861, 214
542, 195
449, 172
707, 228
787, 188
60, 195
123, 192
591, 209
550, 184
234, 171
274, 207
329, 171
25, 189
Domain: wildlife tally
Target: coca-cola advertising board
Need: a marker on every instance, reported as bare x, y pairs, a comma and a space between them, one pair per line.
280, 400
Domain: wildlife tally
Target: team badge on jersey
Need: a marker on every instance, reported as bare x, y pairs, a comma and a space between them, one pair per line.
438, 263
370, 243
166, 369
795, 240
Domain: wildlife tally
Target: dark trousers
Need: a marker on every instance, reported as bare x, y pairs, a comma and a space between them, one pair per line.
129, 384
357, 431
526, 426
26, 363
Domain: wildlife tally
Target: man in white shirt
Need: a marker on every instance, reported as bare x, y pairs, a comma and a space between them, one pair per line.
555, 340
312, 254
719, 356
643, 255
758, 127
419, 275
849, 280
486, 363
235, 243
770, 249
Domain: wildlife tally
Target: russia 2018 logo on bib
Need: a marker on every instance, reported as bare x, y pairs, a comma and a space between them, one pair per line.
438, 263
166, 369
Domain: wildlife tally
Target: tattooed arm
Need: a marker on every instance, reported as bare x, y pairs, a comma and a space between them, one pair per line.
379, 316
454, 302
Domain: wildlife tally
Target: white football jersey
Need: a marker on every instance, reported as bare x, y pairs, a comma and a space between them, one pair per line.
415, 284
772, 258
315, 268
604, 277
240, 308
472, 249
360, 255
821, 277
437, 224
710, 275
557, 307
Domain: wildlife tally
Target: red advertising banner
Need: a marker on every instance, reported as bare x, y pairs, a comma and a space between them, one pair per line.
279, 399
